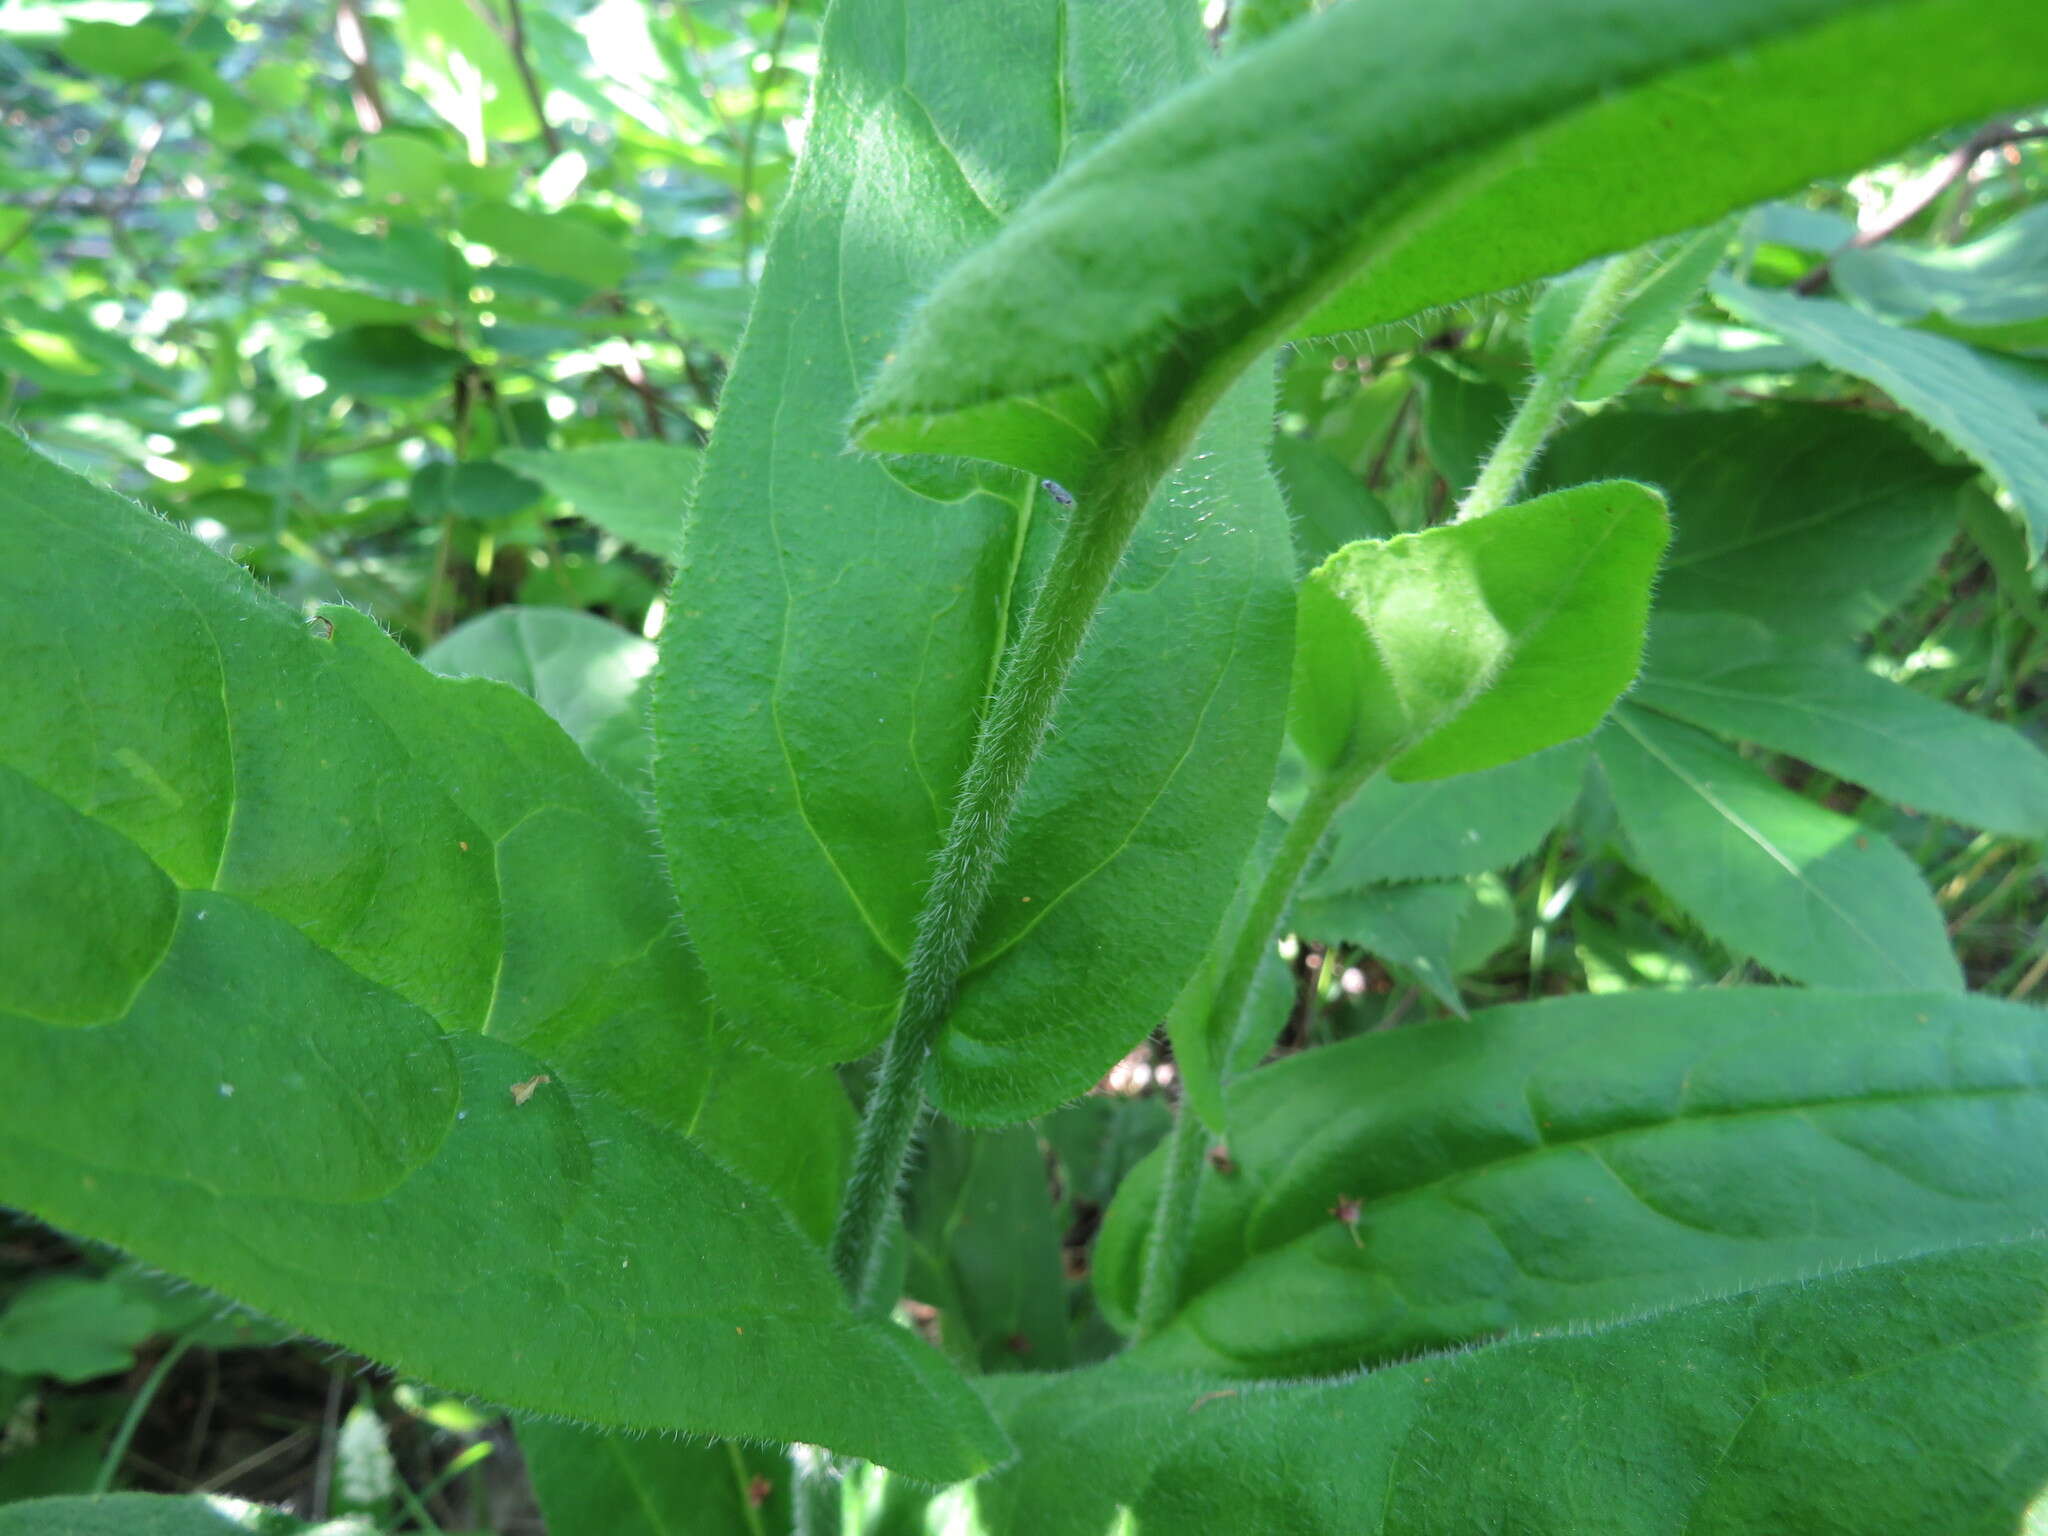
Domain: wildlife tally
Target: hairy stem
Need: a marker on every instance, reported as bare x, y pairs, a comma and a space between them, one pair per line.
1012, 732
1554, 386
1166, 1244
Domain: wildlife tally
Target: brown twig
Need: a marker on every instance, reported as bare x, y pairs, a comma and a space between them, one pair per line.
363, 90
1919, 195
512, 33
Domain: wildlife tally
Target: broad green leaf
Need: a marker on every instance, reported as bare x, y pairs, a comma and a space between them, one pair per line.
1646, 322
479, 489
595, 1484
72, 1328
291, 1047
1466, 646
588, 674
1943, 382
1825, 707
1578, 1160
1231, 216
636, 491
832, 633
155, 1514
404, 257
983, 1248
134, 52
1445, 827
1809, 894
1890, 1400
390, 360
1815, 521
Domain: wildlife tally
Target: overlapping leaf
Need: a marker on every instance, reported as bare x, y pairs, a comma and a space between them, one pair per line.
834, 630
1425, 154
290, 924
1578, 1160
1808, 893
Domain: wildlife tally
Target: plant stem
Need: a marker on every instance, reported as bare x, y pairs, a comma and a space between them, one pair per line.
1166, 1244
1553, 388
1012, 732
117, 1448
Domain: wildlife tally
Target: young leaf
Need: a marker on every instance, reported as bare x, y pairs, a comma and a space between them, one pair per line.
1571, 1161
1810, 894
1427, 153
1889, 1400
1646, 322
1466, 646
1831, 711
1815, 522
1943, 382
834, 634
261, 993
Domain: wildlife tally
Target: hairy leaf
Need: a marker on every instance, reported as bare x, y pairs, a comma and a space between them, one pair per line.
354, 902
834, 631
1889, 1400
1423, 154
1585, 1159
590, 1483
1645, 323
1467, 646
145, 1514
1943, 382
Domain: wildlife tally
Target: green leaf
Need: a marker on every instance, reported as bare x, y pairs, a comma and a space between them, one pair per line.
73, 1328
405, 258
372, 896
560, 244
145, 1514
1585, 1159
1943, 382
590, 675
1809, 894
1646, 322
1992, 290
1814, 521
1230, 217
1445, 827
1889, 1400
1825, 707
390, 360
1432, 930
594, 1484
984, 1250
1463, 412
638, 492
477, 488
1467, 646
135, 52
832, 635
1331, 505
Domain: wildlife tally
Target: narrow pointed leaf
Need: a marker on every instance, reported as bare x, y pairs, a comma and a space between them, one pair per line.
834, 630
1809, 894
1946, 383
432, 1064
1217, 223
1566, 1162
1646, 321
1467, 646
1889, 1400
1826, 708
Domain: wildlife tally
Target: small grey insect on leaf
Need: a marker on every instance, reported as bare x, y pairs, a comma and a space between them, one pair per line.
1058, 492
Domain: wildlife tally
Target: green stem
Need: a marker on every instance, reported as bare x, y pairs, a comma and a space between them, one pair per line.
117, 1448
1554, 386
1166, 1244
1012, 732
